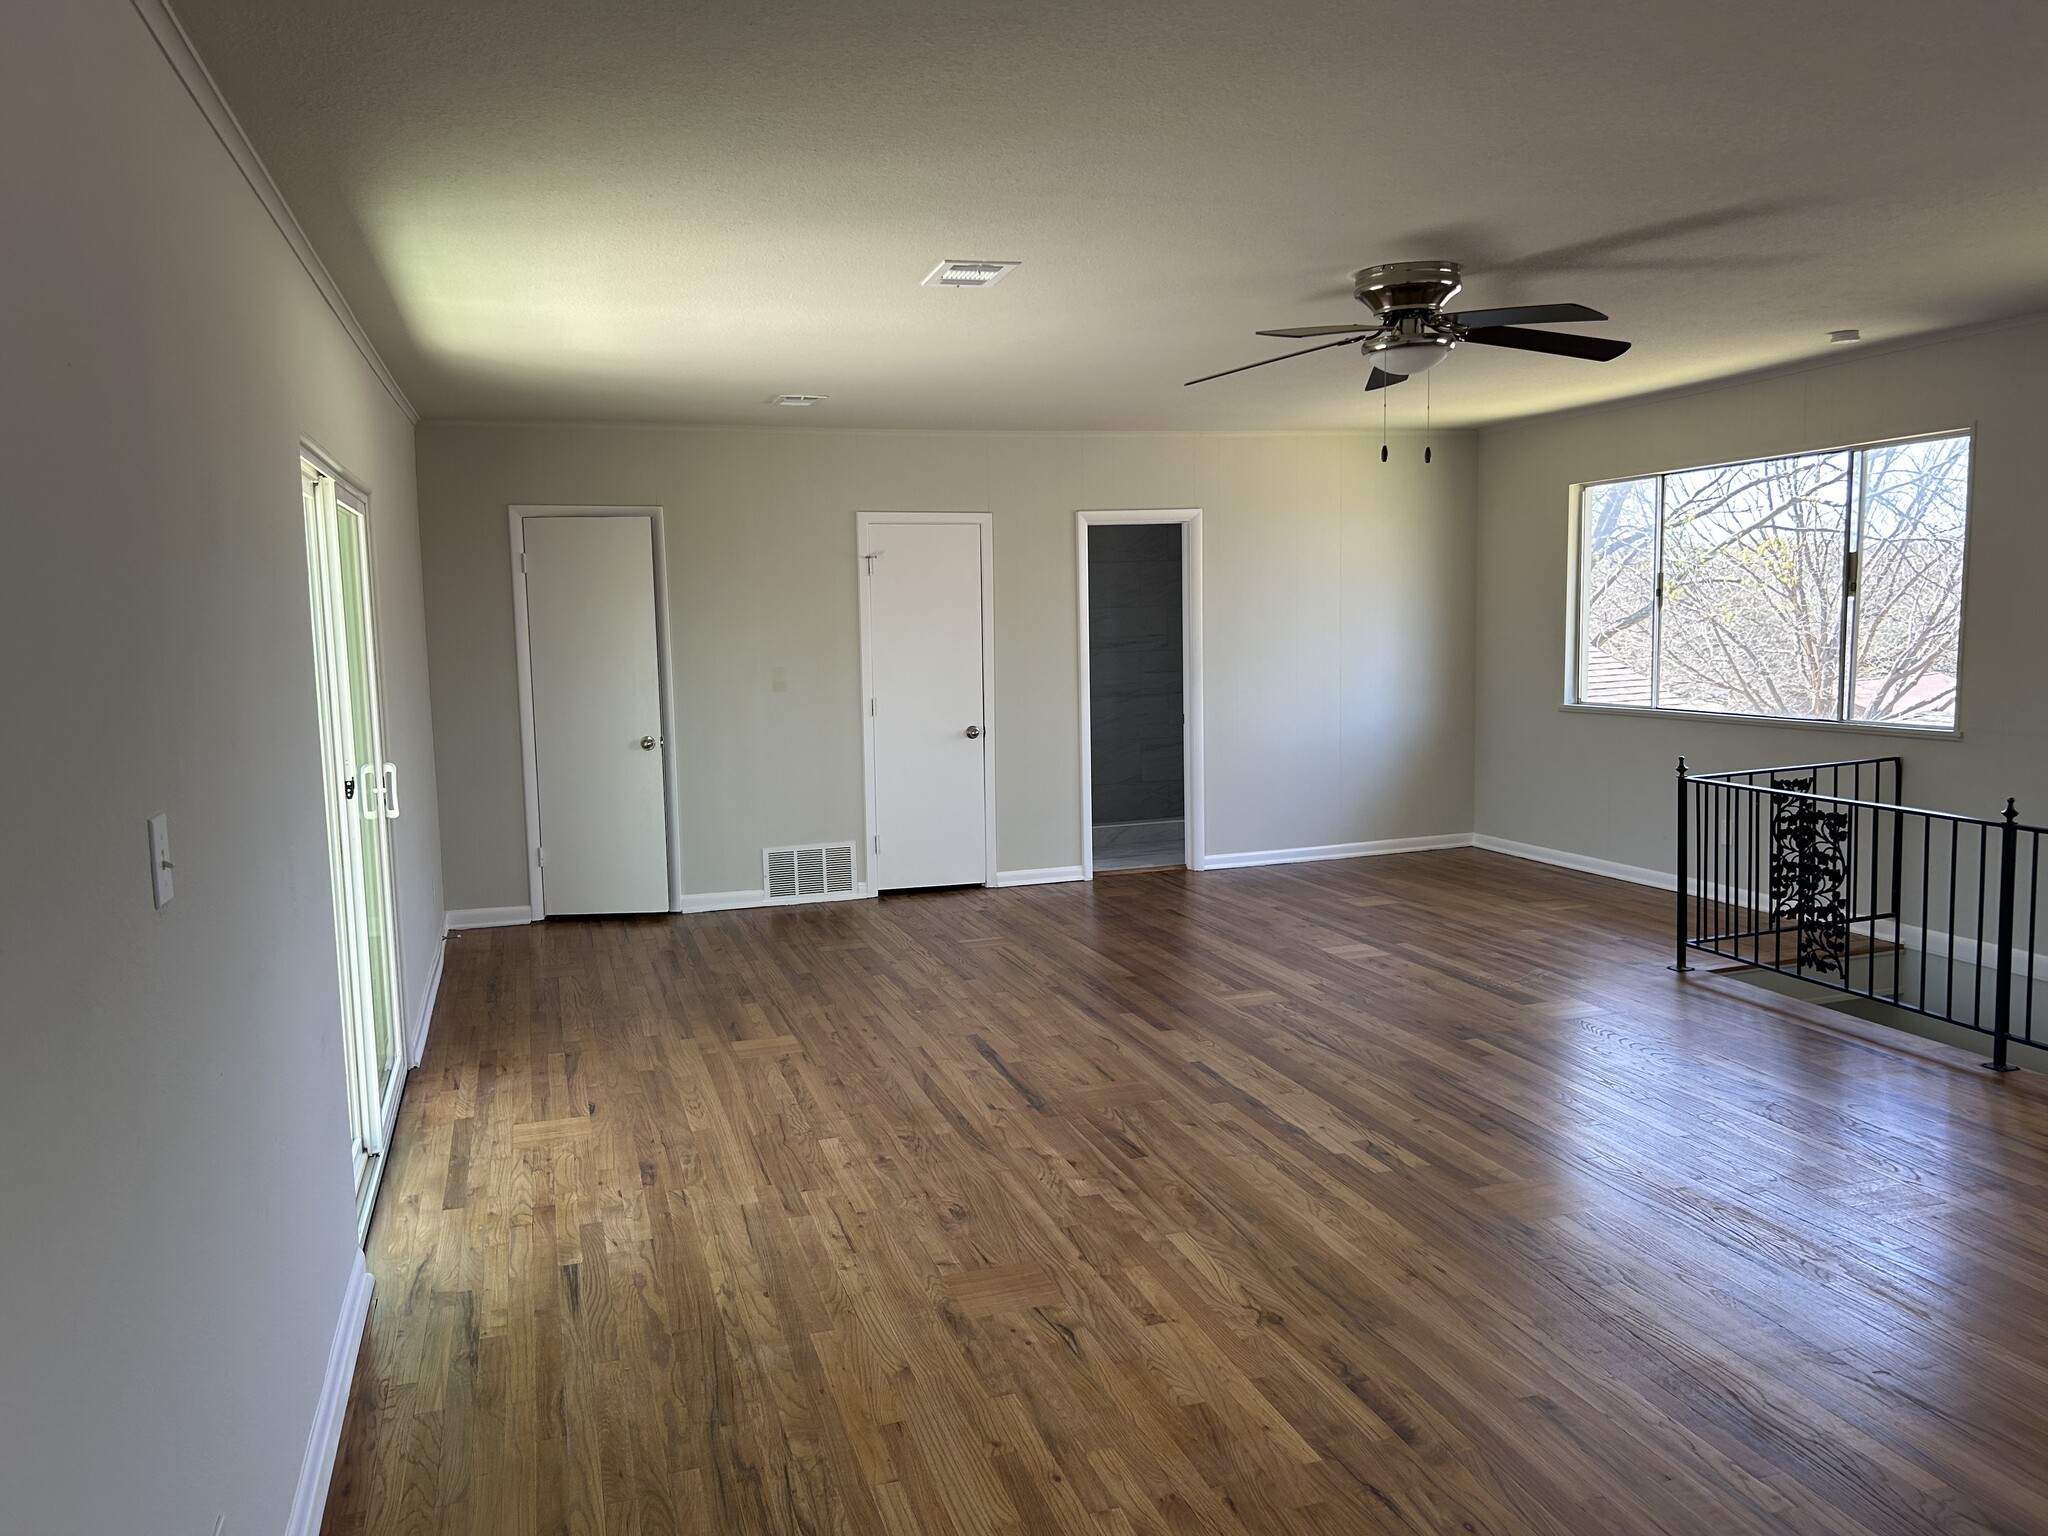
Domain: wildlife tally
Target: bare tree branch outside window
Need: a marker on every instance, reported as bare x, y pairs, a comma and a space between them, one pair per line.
1618, 587
1909, 613
1756, 615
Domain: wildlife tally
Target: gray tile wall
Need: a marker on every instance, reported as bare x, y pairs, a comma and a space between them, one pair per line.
1134, 662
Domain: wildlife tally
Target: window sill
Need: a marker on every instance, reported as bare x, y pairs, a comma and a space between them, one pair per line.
1855, 727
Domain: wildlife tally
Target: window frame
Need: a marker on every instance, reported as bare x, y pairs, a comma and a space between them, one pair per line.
1847, 625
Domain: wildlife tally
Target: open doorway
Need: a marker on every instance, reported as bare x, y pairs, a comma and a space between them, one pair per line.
1140, 593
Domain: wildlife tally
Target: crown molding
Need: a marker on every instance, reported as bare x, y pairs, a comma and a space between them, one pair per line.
184, 59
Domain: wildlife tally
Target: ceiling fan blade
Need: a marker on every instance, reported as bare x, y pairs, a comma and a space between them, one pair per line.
1305, 331
1381, 379
1595, 349
1304, 352
1527, 314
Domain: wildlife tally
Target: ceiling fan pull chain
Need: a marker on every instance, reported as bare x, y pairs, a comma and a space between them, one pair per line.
1428, 413
1383, 426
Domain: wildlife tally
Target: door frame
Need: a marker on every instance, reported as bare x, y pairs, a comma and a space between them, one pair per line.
1195, 834
529, 751
863, 524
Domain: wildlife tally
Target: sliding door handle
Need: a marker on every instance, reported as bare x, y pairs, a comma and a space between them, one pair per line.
373, 791
391, 792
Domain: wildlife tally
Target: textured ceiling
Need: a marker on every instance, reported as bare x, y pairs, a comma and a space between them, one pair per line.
669, 211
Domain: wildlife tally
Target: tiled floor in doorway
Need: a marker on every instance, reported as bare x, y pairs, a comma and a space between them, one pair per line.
1140, 844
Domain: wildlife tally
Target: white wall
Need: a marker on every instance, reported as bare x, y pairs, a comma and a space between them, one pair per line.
1338, 626
177, 1206
1601, 786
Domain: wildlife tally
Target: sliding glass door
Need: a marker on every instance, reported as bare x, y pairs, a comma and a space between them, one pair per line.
361, 793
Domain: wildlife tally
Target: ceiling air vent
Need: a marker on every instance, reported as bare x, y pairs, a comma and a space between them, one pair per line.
968, 274
796, 400
807, 873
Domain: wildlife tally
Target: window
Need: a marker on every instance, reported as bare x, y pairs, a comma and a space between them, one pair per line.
1819, 586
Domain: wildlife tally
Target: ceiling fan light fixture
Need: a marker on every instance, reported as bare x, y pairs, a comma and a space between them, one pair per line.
1410, 357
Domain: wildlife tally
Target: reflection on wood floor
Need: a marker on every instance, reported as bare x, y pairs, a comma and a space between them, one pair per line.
1408, 1194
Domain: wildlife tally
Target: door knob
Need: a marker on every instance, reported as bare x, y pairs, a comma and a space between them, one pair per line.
973, 731
646, 743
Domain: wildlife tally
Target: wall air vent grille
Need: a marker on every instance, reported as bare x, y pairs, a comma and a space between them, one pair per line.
807, 873
968, 274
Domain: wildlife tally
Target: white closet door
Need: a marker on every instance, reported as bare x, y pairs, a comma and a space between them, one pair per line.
925, 607
591, 645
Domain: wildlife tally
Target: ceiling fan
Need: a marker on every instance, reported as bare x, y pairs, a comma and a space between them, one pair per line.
1409, 332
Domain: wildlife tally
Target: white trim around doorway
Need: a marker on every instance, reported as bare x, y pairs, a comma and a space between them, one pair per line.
863, 522
529, 756
1190, 520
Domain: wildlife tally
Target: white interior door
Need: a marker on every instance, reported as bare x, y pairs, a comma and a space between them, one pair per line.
927, 611
595, 678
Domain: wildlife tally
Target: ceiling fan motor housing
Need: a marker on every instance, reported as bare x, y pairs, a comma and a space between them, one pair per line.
1394, 286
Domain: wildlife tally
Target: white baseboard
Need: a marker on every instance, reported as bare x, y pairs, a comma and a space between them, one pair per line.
1564, 859
1336, 851
489, 917
309, 1502
730, 901
418, 1042
1056, 875
1982, 953
706, 901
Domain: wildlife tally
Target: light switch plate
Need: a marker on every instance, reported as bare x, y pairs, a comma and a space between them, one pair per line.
160, 858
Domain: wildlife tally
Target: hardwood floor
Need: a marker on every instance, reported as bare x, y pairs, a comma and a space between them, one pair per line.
1389, 1195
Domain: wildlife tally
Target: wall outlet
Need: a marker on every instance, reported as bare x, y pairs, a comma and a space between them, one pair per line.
160, 858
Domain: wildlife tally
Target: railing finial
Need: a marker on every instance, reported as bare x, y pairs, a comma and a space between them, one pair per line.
2012, 809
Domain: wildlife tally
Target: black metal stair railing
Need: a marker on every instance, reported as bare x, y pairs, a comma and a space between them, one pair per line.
1821, 872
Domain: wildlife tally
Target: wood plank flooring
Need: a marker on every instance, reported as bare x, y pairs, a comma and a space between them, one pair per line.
1408, 1194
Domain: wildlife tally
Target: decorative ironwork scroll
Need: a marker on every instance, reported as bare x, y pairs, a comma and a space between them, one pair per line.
1809, 859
